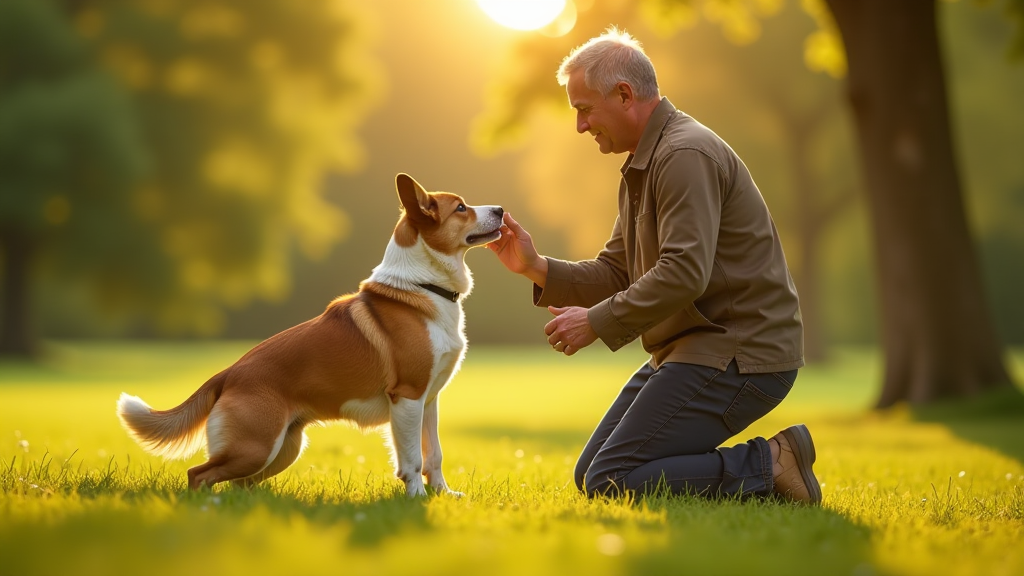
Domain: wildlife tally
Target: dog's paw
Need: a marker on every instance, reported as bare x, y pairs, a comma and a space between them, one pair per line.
415, 490
445, 491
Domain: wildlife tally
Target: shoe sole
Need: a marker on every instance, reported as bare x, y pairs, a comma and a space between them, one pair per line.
803, 448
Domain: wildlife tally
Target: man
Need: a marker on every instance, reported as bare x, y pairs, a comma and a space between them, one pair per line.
694, 268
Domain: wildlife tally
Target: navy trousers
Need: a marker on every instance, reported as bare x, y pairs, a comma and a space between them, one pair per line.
667, 425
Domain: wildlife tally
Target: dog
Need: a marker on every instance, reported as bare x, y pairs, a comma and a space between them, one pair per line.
377, 356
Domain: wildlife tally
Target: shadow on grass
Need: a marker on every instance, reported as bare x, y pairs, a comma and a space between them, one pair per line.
774, 538
995, 419
372, 520
373, 511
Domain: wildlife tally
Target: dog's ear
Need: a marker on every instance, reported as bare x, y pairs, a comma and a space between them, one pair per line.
417, 202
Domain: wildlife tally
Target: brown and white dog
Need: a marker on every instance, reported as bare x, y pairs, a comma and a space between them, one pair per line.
376, 356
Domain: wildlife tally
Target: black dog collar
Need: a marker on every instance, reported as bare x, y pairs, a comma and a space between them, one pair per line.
446, 294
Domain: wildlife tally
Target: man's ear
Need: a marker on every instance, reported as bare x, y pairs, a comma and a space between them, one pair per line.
624, 94
417, 202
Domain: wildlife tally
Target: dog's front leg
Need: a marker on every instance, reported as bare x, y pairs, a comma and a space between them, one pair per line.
406, 423
432, 451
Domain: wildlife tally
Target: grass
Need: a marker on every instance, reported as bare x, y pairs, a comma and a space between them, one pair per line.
903, 495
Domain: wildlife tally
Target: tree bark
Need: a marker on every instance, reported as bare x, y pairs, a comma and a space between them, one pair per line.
938, 336
15, 333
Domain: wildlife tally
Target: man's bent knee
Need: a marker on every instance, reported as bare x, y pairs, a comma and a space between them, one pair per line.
580, 474
602, 484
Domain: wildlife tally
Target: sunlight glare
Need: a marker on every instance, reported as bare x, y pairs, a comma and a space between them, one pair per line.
522, 14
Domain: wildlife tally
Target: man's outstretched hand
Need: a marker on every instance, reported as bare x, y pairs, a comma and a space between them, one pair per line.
570, 330
516, 251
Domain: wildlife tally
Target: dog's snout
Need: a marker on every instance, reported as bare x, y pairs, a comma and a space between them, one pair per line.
498, 211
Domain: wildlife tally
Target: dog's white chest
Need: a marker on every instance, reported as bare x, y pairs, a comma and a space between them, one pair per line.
448, 341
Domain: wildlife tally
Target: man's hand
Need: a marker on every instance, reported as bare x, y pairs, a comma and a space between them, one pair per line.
570, 331
516, 251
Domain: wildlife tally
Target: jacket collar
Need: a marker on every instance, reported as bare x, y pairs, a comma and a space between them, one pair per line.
652, 134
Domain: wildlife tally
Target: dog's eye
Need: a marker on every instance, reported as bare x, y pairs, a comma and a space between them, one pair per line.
460, 208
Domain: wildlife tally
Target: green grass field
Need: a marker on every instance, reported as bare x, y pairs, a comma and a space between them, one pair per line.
902, 495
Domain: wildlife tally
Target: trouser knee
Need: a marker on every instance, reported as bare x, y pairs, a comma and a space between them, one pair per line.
580, 472
600, 484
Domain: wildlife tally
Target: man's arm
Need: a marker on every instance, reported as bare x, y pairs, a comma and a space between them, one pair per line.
586, 282
559, 282
570, 331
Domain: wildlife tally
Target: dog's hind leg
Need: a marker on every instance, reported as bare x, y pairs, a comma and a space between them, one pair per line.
242, 441
294, 442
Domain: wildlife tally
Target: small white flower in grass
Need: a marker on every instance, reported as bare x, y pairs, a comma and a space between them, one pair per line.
610, 544
962, 473
215, 500
1009, 476
520, 453
23, 444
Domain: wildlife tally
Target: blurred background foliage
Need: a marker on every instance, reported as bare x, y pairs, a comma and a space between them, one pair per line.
223, 169
160, 158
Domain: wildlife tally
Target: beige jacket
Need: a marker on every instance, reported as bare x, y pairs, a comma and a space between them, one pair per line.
694, 266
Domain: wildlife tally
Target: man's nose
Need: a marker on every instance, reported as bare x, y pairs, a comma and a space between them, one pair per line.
581, 124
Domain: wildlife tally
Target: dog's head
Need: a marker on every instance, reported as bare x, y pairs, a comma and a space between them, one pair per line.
444, 221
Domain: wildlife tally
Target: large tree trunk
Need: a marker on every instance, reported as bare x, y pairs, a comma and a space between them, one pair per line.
938, 337
15, 332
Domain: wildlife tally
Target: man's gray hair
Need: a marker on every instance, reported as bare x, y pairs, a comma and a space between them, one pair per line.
612, 57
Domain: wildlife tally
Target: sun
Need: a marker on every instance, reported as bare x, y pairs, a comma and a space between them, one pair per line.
522, 14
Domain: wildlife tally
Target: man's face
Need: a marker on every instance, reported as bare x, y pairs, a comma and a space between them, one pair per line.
604, 118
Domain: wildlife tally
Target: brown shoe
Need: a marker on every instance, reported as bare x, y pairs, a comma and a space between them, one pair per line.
796, 481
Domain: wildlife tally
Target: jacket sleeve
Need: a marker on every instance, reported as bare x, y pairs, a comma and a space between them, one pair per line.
586, 282
688, 192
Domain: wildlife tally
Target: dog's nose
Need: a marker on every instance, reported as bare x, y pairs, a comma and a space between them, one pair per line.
498, 211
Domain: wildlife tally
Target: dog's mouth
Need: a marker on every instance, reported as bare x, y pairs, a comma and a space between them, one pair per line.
475, 239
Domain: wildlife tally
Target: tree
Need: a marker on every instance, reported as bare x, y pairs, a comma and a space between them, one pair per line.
66, 135
938, 338
937, 331
241, 110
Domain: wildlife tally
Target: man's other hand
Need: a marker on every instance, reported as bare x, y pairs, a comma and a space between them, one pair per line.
570, 330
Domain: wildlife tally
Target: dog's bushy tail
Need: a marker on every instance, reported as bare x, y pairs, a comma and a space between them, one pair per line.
176, 433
